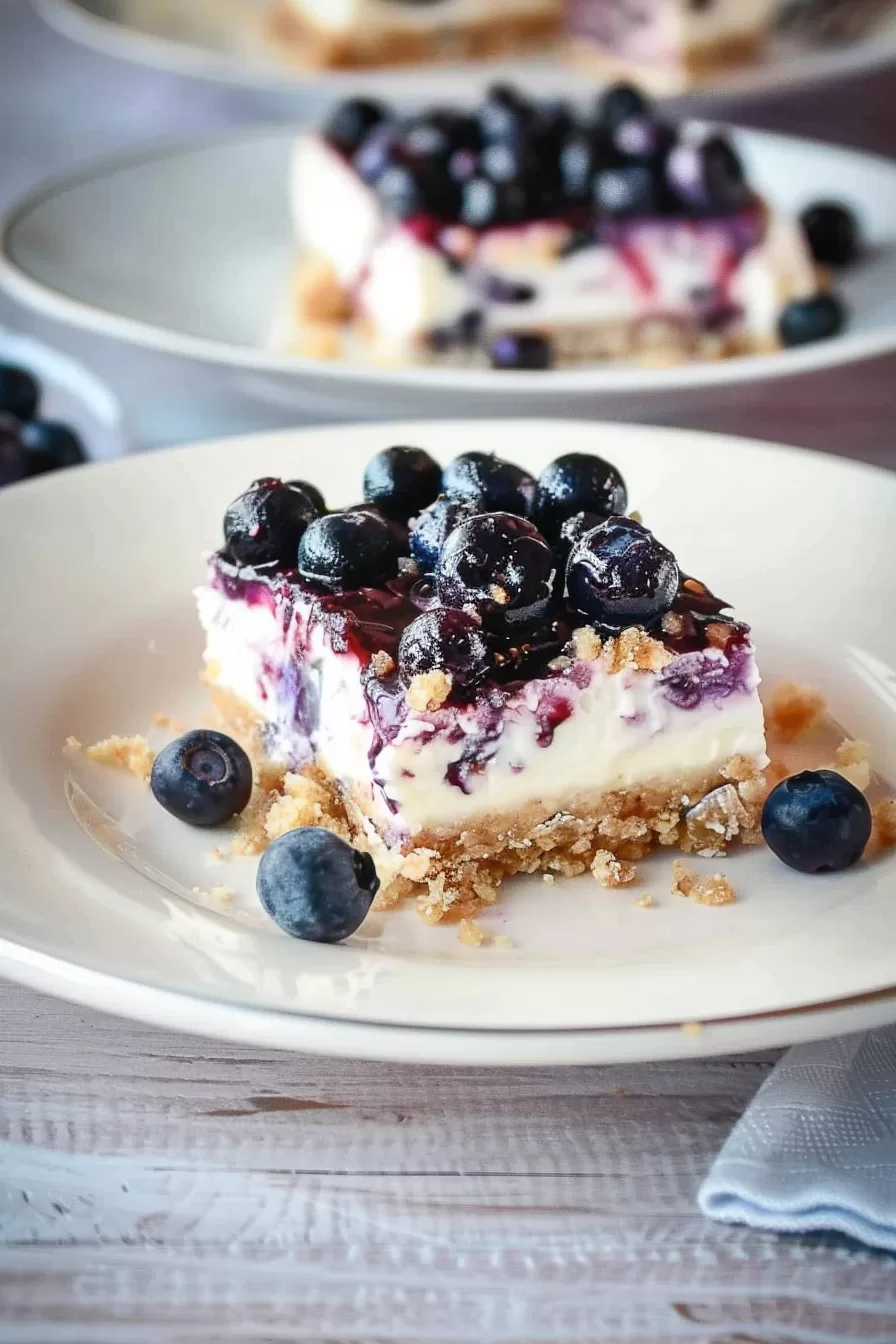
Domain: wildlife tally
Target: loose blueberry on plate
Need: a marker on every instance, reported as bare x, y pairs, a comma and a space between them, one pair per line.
574, 483
521, 350
315, 886
832, 233
619, 102
402, 481
352, 121
263, 525
813, 319
204, 778
444, 639
354, 549
499, 566
490, 482
708, 178
50, 446
432, 527
619, 575
817, 822
13, 465
312, 492
19, 392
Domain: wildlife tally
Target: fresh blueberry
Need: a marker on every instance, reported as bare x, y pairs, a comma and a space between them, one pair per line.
521, 350
618, 103
312, 492
432, 527
812, 319
643, 138
377, 151
571, 531
485, 204
573, 483
447, 640
816, 822
263, 525
315, 886
708, 178
489, 482
351, 122
498, 565
408, 189
462, 164
354, 549
204, 778
619, 575
402, 481
626, 191
505, 114
13, 465
19, 392
832, 232
583, 153
552, 125
50, 445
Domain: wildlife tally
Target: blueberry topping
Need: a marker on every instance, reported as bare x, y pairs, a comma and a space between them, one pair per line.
446, 640
490, 482
351, 122
49, 446
204, 778
814, 319
618, 103
264, 524
13, 466
19, 392
376, 152
643, 138
485, 203
461, 334
708, 178
817, 822
571, 531
354, 549
626, 191
431, 529
521, 350
576, 482
402, 189
505, 114
315, 886
498, 565
620, 575
832, 233
312, 492
582, 154
402, 481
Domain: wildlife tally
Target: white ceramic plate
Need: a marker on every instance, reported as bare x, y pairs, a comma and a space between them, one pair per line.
188, 249
97, 897
226, 40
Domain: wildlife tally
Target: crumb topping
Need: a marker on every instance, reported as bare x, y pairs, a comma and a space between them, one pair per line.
73, 745
714, 822
712, 890
124, 753
672, 623
429, 690
586, 644
382, 664
634, 650
794, 710
609, 871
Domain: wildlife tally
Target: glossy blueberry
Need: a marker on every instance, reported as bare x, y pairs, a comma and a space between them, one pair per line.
447, 640
489, 482
13, 466
708, 178
354, 549
49, 446
432, 527
263, 525
315, 886
19, 392
499, 566
571, 531
832, 232
626, 191
312, 492
377, 151
485, 203
521, 350
582, 154
618, 103
402, 481
505, 114
619, 575
573, 483
408, 189
349, 123
816, 822
643, 138
814, 319
204, 778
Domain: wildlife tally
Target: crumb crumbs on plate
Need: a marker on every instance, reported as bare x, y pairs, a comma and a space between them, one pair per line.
160, 720
73, 745
883, 827
503, 942
692, 1028
794, 710
472, 934
712, 890
217, 894
609, 871
644, 902
852, 760
124, 753
216, 856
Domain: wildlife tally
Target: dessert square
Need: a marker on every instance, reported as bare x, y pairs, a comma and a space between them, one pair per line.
524, 236
475, 674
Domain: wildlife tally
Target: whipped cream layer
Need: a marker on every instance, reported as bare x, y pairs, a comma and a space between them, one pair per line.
738, 270
578, 730
387, 16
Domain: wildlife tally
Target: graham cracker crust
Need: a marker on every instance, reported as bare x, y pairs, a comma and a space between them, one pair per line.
453, 872
696, 64
487, 39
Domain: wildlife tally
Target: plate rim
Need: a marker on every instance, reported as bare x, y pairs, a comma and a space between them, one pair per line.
591, 380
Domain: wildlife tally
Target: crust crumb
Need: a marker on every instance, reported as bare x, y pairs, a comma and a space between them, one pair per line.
794, 710
883, 827
549, 878
634, 649
417, 864
644, 902
586, 644
718, 634
611, 872
303, 802
73, 744
124, 753
429, 690
853, 761
714, 822
472, 935
692, 1028
217, 856
672, 623
322, 340
713, 890
160, 720
382, 664
319, 296
503, 942
223, 894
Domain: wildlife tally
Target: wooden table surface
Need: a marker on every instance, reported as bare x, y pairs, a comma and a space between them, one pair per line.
160, 1189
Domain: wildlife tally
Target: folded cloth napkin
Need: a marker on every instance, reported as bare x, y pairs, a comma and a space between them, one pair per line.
816, 1149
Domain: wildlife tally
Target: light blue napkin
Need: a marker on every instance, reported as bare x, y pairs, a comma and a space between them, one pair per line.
816, 1149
